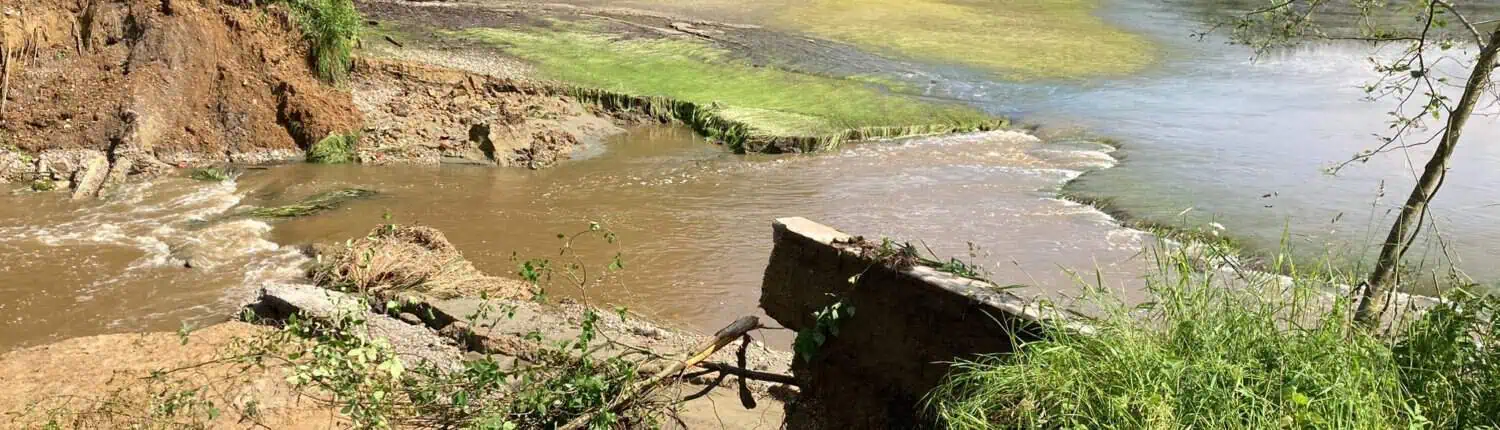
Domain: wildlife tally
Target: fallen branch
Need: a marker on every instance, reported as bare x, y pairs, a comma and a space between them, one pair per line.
393, 41
691, 358
750, 374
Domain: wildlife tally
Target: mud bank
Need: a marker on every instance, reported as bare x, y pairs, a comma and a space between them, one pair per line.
202, 378
116, 89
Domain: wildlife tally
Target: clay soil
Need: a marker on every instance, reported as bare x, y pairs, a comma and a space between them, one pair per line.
169, 82
421, 114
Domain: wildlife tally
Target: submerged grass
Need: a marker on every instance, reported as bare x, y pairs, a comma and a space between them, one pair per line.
1265, 354
313, 204
211, 174
1021, 39
769, 101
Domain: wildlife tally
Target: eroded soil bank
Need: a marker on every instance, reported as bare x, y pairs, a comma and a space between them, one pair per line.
226, 375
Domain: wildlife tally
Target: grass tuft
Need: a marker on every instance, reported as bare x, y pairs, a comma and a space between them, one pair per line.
330, 27
334, 149
41, 185
1246, 354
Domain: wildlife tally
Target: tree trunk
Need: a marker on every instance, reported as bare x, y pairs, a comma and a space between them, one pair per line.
1384, 278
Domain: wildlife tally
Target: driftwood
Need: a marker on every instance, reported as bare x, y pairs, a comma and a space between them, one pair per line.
688, 359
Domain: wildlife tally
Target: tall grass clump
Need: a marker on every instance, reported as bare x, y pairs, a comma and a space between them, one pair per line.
1202, 356
1450, 362
1256, 351
330, 27
334, 149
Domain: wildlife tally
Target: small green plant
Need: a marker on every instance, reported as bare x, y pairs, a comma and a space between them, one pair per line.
330, 27
810, 340
334, 149
43, 185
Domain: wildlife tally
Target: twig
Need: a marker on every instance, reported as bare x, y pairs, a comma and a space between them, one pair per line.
750, 374
1478, 39
692, 357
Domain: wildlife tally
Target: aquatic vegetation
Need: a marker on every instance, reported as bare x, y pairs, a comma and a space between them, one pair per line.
819, 111
1020, 39
314, 204
40, 185
210, 174
334, 149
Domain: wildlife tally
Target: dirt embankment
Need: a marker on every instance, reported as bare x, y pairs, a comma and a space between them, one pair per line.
146, 85
101, 91
429, 115
203, 379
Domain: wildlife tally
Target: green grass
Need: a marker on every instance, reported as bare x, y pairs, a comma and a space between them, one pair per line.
330, 27
41, 185
770, 101
1262, 356
334, 149
1019, 39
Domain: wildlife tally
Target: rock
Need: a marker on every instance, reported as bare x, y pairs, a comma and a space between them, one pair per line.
648, 332
89, 178
15, 166
410, 318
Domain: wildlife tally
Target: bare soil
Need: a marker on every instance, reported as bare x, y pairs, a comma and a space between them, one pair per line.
429, 115
106, 382
164, 83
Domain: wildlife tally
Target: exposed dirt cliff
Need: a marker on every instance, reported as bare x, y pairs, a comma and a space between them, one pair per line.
149, 84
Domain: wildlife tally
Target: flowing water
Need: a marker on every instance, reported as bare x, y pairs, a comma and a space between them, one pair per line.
693, 222
1209, 130
1216, 135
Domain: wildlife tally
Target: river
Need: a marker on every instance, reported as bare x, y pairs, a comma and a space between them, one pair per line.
1216, 134
1208, 129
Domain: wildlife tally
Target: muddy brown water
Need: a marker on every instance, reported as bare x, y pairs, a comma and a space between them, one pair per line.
693, 223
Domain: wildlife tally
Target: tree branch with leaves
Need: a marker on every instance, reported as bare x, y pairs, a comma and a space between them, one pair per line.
1432, 50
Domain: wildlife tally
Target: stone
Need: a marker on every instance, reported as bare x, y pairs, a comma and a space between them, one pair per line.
410, 318
93, 170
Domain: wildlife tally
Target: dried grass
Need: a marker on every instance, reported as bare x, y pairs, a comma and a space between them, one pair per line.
409, 258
